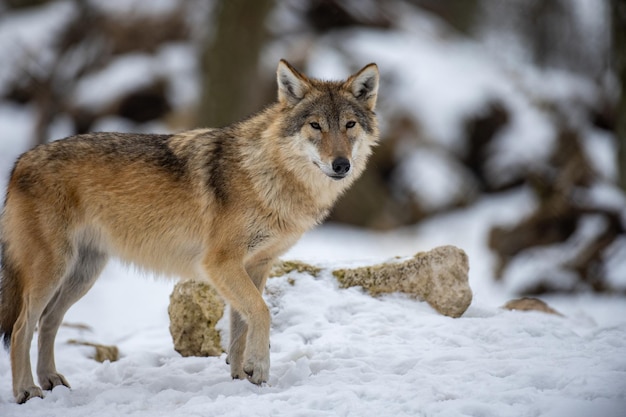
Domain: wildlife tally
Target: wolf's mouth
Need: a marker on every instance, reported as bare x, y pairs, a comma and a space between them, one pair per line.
334, 176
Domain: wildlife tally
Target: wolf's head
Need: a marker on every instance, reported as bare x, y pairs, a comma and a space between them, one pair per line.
332, 122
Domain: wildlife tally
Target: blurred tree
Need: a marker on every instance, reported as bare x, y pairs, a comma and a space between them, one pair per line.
619, 56
17, 4
328, 15
48, 85
230, 61
555, 34
459, 14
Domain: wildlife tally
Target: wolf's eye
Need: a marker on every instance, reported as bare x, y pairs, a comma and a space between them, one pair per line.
350, 124
315, 126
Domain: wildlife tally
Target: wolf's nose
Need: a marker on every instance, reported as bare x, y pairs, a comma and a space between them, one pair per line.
341, 166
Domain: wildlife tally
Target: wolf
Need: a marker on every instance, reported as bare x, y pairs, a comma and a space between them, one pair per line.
217, 204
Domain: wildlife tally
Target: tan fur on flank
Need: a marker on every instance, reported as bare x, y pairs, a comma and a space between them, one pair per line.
210, 204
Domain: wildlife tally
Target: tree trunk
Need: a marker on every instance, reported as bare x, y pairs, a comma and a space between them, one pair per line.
230, 62
619, 62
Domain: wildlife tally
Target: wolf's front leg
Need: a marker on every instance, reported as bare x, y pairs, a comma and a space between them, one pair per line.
258, 270
236, 286
256, 362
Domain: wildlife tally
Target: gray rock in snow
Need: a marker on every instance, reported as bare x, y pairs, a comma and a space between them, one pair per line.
439, 277
195, 308
530, 304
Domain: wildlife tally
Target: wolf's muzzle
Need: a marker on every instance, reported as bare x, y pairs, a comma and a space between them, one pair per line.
341, 167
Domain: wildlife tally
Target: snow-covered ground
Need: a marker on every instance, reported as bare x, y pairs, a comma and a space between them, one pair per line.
340, 352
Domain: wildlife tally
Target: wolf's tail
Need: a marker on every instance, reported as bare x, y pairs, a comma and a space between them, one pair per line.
10, 297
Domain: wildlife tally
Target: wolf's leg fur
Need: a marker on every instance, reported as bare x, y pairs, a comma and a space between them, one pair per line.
258, 272
84, 274
47, 271
237, 345
24, 386
234, 283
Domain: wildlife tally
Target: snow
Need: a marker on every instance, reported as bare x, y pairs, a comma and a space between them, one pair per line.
527, 141
173, 62
537, 265
26, 38
178, 63
434, 178
17, 126
125, 7
127, 73
602, 152
339, 352
615, 257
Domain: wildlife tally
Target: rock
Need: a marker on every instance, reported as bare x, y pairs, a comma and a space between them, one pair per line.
530, 304
439, 277
194, 310
103, 352
281, 268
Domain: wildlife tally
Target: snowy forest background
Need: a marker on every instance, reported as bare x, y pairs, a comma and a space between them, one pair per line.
478, 98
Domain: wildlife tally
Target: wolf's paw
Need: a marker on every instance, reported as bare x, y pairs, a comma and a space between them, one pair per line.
237, 371
236, 366
51, 380
238, 374
258, 371
26, 394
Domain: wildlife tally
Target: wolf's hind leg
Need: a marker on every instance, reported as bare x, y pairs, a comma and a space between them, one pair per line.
37, 294
24, 387
237, 345
87, 268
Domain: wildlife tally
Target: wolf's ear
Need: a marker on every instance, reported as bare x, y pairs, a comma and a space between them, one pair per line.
364, 85
292, 86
